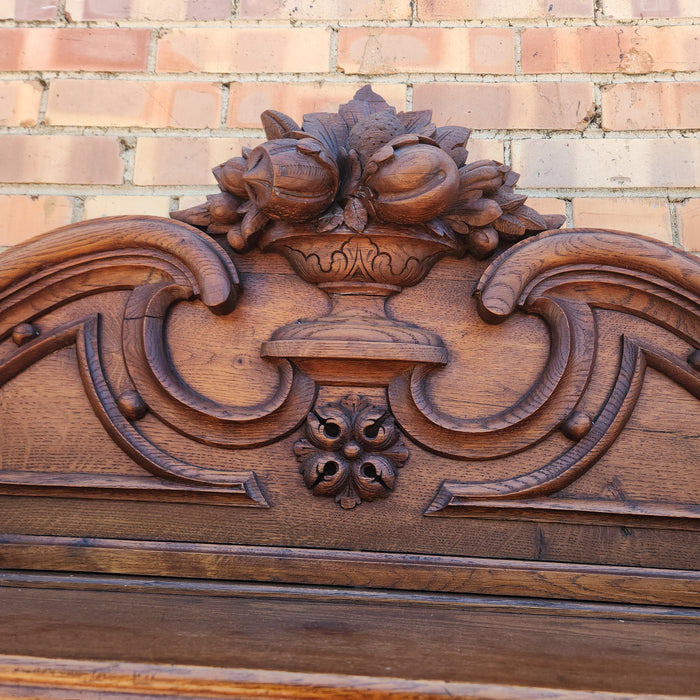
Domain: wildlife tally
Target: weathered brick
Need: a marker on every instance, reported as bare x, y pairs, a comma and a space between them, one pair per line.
42, 48
24, 216
651, 106
548, 105
485, 149
648, 216
30, 10
547, 205
183, 161
637, 9
624, 49
88, 160
426, 50
19, 102
250, 50
609, 162
247, 101
171, 10
125, 204
325, 9
430, 10
133, 103
689, 224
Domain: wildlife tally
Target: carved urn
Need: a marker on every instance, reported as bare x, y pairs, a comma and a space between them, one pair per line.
362, 203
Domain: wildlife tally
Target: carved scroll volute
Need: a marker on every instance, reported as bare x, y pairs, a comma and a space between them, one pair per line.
165, 263
574, 270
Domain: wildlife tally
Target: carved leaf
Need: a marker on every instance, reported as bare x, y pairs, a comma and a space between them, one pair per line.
554, 220
416, 122
355, 215
365, 102
198, 215
276, 124
350, 172
508, 200
532, 220
509, 226
452, 140
457, 224
329, 129
439, 228
479, 212
330, 220
253, 220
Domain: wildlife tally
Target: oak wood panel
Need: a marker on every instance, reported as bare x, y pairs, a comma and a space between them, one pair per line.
329, 567
413, 636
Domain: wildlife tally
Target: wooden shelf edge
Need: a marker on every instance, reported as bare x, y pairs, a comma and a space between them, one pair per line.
61, 678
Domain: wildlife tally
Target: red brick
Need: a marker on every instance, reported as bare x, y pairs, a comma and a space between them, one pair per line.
88, 160
672, 105
610, 162
662, 9
105, 205
689, 224
19, 102
247, 101
426, 50
24, 216
183, 161
429, 10
172, 10
133, 103
224, 50
81, 10
627, 49
550, 105
29, 10
73, 49
648, 216
359, 10
485, 149
547, 205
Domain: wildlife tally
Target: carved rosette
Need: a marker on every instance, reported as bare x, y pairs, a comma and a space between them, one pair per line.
352, 451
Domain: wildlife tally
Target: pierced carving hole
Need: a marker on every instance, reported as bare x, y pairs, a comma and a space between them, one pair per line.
371, 431
330, 468
369, 470
331, 430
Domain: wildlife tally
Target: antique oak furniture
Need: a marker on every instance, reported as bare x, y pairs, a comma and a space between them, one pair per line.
364, 424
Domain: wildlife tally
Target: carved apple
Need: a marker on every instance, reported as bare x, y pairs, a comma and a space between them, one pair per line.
410, 180
291, 179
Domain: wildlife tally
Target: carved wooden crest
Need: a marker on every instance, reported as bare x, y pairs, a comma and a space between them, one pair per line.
362, 204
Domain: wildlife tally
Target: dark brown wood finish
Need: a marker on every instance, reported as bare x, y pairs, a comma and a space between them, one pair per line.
365, 364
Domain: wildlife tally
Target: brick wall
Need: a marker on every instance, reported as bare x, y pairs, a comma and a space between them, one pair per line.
123, 106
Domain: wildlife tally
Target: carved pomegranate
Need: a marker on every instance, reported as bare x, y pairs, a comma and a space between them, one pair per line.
291, 179
411, 181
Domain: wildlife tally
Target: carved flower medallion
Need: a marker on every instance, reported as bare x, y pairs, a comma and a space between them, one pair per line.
352, 451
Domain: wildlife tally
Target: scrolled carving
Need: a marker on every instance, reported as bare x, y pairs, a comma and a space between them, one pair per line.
352, 451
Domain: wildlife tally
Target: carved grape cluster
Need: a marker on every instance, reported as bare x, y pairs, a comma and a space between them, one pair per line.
367, 162
352, 452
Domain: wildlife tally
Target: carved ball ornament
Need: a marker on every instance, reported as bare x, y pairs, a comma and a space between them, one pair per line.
367, 164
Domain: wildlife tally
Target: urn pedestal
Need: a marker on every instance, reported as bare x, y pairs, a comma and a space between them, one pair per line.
359, 272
